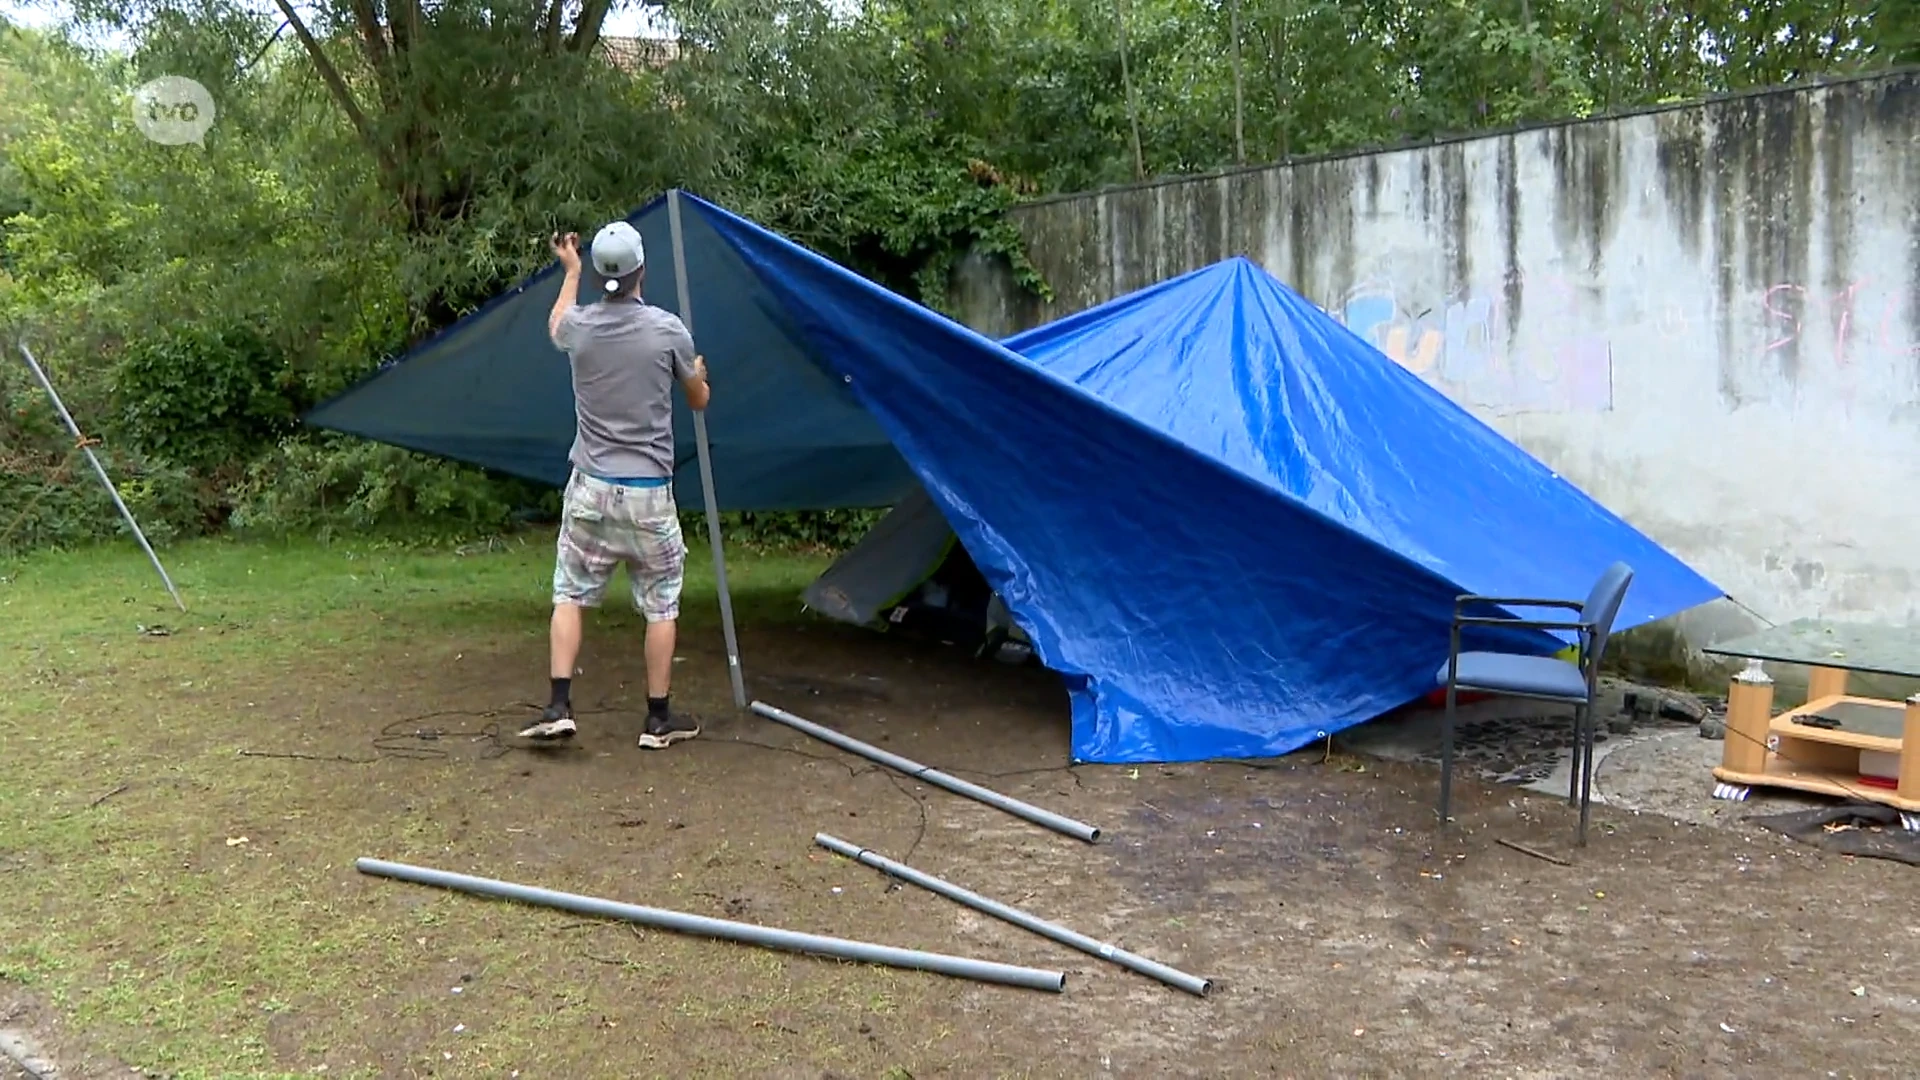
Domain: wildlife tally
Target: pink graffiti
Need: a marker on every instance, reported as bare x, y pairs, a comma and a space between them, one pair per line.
1861, 329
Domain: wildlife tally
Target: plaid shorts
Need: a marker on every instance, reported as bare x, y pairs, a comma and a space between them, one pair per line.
606, 524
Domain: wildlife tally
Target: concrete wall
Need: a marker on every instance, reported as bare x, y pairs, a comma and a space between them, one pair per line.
1707, 317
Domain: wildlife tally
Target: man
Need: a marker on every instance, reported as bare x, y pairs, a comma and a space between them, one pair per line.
619, 506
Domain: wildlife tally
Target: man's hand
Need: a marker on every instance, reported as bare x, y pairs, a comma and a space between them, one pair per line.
695, 384
566, 247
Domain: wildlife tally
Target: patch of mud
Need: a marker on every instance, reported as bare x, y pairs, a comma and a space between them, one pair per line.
796, 692
1525, 744
34, 1045
1221, 852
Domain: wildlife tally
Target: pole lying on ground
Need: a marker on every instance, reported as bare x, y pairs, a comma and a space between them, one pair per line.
101, 472
706, 462
1065, 825
725, 929
1174, 977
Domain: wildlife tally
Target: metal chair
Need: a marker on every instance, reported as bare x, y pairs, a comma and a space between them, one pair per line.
1541, 678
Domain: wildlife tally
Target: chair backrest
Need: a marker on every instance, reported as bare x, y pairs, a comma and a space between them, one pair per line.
1603, 604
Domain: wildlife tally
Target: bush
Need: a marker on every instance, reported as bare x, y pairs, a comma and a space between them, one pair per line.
319, 486
803, 530
203, 397
61, 504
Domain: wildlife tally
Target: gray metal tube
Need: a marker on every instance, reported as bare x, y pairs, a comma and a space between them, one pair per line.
100, 471
1174, 977
1079, 830
746, 933
705, 455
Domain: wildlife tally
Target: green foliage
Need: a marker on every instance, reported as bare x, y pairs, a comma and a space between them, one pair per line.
59, 503
193, 301
810, 530
319, 487
204, 397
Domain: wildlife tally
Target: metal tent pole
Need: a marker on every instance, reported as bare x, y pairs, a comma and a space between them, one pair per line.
101, 472
706, 463
1192, 984
725, 929
1066, 826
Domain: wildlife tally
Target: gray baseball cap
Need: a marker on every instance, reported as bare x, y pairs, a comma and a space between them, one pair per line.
618, 252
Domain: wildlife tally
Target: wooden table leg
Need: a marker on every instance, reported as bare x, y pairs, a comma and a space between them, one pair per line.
1749, 712
1910, 751
1825, 682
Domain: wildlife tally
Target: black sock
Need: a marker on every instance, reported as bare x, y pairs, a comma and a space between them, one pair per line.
657, 707
562, 689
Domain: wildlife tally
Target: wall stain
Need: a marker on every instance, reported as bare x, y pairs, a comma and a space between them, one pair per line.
1727, 137
1205, 227
1343, 247
1779, 154
1426, 187
1896, 102
1838, 119
1321, 211
1301, 237
1457, 212
1508, 169
1678, 140
1586, 159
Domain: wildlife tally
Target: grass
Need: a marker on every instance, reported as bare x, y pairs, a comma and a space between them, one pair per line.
198, 911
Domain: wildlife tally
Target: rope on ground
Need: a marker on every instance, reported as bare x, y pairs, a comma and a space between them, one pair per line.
406, 739
410, 739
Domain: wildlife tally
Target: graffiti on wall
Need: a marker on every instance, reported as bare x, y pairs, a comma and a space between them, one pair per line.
1849, 342
1462, 347
1858, 323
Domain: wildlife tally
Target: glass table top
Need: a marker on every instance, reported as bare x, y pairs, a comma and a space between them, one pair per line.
1881, 650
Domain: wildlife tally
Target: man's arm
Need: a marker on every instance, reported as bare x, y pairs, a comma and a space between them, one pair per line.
690, 370
567, 248
695, 384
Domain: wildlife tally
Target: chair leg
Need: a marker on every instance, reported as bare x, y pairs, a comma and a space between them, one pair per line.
1446, 758
1586, 780
1573, 769
1581, 719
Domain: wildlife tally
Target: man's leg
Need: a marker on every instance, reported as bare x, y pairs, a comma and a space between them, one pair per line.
563, 648
662, 636
583, 564
658, 574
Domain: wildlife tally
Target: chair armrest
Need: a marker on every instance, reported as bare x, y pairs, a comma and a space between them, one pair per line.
1514, 601
1524, 624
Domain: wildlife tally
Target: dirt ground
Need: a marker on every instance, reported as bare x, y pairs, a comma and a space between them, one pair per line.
1346, 937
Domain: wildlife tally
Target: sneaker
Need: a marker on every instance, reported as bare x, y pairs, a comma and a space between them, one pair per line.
664, 731
555, 723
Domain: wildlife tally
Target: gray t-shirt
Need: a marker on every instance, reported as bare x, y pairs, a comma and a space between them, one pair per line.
626, 356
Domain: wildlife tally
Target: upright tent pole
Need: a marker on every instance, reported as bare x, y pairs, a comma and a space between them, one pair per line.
101, 472
706, 463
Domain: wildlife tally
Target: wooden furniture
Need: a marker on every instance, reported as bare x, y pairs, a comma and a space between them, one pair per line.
1837, 743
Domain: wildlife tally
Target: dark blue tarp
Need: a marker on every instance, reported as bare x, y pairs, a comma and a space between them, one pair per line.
1196, 605
491, 390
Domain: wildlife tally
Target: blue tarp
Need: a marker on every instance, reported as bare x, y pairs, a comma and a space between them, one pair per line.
1239, 367
1196, 603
